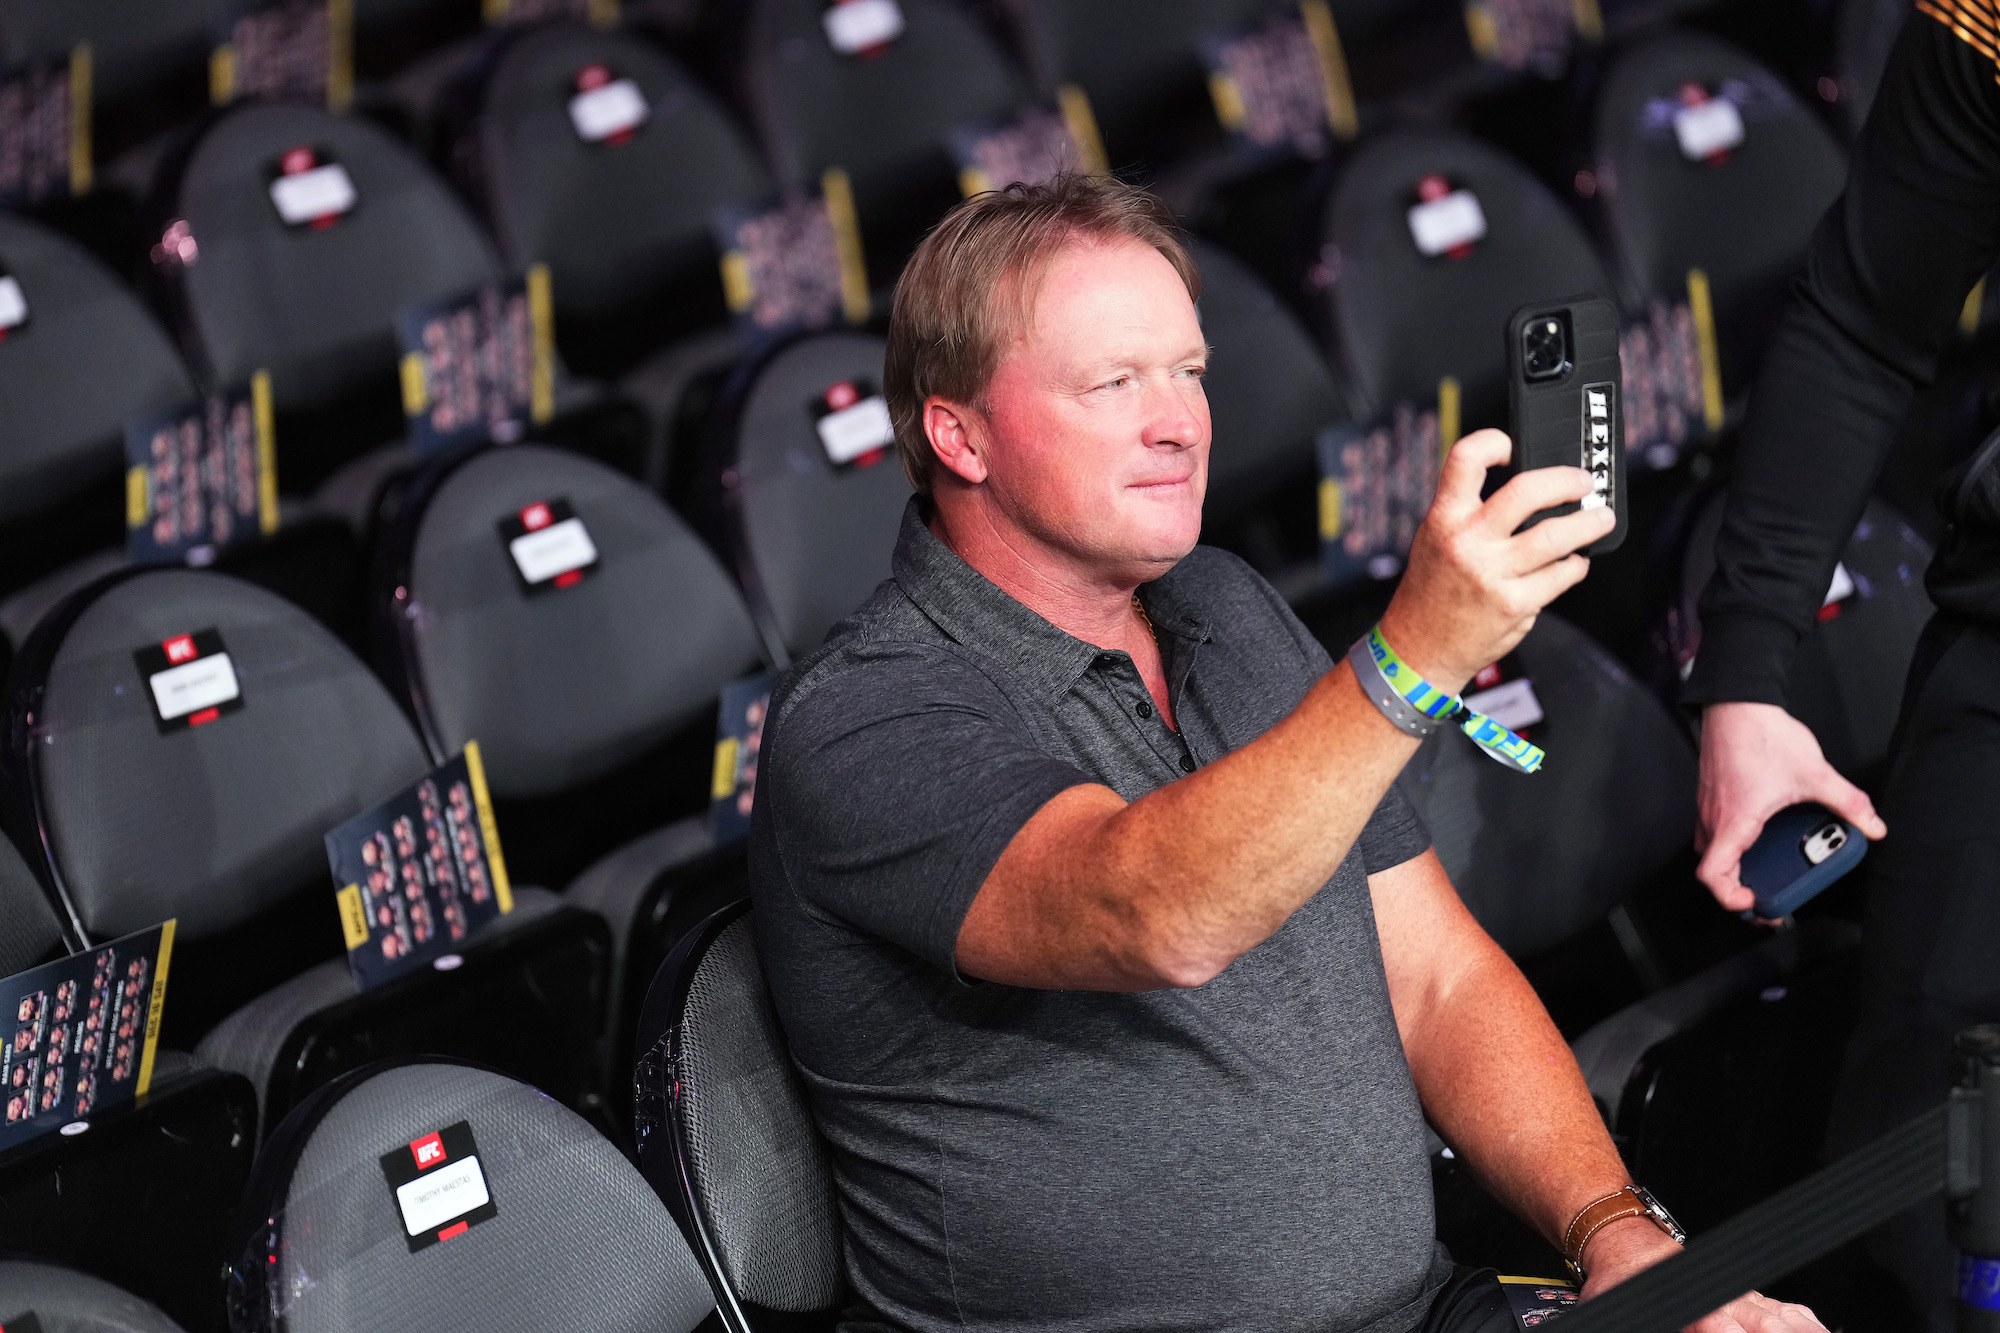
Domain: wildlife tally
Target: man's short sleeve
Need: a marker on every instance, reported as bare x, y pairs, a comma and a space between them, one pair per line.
893, 783
1395, 833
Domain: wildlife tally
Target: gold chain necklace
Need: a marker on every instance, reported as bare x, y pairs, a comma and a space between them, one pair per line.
1140, 607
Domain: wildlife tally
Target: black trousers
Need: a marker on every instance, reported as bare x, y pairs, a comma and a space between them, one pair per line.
1932, 945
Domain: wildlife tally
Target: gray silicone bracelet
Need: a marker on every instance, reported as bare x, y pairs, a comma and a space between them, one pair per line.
1394, 706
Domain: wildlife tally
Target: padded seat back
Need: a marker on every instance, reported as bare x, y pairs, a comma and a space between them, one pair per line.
132, 42
1136, 74
816, 108
561, 685
1847, 674
214, 823
576, 1239
1404, 320
612, 219
30, 932
1539, 858
63, 1300
726, 1135
1744, 217
88, 359
316, 306
814, 540
1269, 389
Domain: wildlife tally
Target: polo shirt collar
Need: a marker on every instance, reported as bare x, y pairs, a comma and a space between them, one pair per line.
973, 610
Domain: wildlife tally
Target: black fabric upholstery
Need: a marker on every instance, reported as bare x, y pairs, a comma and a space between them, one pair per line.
1538, 858
815, 108
66, 1301
29, 930
565, 685
217, 823
132, 42
1134, 73
1404, 321
1864, 34
611, 220
89, 359
316, 308
1745, 221
578, 1241
818, 540
1846, 678
1269, 390
744, 1139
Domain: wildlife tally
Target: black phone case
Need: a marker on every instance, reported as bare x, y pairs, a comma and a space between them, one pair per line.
1551, 419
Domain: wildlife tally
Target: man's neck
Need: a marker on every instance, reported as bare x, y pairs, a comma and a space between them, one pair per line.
1048, 583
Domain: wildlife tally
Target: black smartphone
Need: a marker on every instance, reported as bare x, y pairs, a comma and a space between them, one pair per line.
1563, 398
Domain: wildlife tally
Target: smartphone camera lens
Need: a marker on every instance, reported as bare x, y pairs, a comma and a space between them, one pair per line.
1544, 348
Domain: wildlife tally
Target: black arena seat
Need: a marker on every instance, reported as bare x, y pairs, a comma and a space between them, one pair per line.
87, 359
221, 826
624, 220
314, 305
881, 114
1403, 320
1270, 393
62, 1298
1743, 214
144, 1194
569, 1235
727, 1138
1846, 678
1147, 88
810, 540
594, 704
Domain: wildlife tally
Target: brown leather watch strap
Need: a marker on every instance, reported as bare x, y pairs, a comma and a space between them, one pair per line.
1597, 1215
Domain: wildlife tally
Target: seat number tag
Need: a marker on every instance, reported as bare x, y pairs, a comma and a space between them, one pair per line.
1600, 403
550, 546
1707, 128
13, 303
862, 27
439, 1186
853, 424
1440, 226
190, 680
309, 192
608, 111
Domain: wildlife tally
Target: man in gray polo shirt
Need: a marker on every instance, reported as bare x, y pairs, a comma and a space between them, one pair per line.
1121, 978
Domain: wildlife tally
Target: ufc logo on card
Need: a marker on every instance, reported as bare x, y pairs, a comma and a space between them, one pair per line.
536, 517
428, 1150
179, 649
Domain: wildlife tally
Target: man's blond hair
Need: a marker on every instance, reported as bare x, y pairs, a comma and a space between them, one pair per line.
972, 281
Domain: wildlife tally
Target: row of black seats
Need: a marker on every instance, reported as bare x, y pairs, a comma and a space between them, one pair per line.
316, 307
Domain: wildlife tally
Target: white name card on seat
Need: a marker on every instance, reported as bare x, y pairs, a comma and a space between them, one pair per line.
307, 196
1512, 704
1445, 224
13, 303
615, 108
1708, 128
853, 431
193, 686
553, 551
854, 26
438, 1196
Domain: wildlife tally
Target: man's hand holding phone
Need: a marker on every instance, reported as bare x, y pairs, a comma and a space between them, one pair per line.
1476, 580
1757, 759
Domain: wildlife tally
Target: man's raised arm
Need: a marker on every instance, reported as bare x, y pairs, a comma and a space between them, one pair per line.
1093, 893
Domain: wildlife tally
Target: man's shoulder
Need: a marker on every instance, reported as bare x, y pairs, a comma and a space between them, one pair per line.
888, 650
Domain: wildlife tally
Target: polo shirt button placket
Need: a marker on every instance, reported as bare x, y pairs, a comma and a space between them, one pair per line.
1187, 763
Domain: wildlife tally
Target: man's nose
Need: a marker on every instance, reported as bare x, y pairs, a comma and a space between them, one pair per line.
1171, 415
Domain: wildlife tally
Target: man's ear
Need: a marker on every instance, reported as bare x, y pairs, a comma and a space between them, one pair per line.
956, 438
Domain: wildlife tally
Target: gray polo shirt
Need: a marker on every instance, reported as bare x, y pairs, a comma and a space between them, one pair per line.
1244, 1154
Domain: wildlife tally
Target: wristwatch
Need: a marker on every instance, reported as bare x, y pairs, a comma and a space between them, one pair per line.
1632, 1201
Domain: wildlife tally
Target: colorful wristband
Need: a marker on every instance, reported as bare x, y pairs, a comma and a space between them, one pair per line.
1418, 707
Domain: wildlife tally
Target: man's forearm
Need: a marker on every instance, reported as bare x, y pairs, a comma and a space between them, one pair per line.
1172, 888
1499, 1084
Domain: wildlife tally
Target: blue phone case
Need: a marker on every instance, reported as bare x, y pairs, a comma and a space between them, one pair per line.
1778, 868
